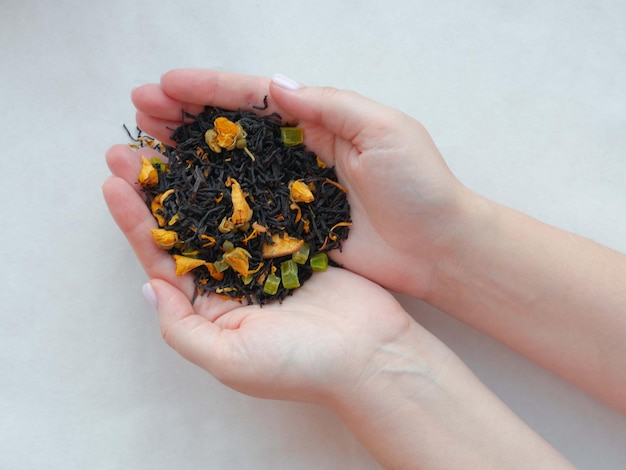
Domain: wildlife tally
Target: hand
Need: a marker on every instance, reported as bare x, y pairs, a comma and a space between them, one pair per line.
320, 343
340, 341
407, 208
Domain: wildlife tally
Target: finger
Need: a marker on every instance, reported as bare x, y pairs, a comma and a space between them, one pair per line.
151, 100
135, 220
183, 330
347, 114
156, 127
221, 89
193, 336
125, 162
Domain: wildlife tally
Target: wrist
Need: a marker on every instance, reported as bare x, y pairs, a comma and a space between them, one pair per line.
421, 407
472, 230
390, 392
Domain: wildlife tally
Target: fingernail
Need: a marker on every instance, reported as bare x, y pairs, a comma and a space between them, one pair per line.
284, 81
148, 293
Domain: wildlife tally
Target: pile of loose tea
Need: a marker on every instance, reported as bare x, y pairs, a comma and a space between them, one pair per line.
243, 205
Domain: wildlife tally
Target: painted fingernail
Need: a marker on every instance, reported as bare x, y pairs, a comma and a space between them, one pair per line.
284, 81
148, 293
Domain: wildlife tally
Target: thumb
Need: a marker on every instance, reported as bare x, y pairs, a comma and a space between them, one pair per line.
191, 335
342, 112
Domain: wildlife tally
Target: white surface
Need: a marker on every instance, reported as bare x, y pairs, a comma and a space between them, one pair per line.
526, 101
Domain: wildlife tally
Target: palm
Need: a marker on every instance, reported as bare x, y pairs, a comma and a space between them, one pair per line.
290, 350
400, 191
317, 340
398, 204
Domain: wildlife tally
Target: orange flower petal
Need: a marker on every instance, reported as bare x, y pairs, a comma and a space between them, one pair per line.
215, 274
185, 264
241, 210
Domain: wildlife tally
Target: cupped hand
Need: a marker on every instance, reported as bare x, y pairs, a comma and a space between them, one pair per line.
320, 343
408, 209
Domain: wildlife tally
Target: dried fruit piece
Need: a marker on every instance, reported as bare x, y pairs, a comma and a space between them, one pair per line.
283, 245
220, 265
289, 274
291, 136
270, 287
319, 262
302, 254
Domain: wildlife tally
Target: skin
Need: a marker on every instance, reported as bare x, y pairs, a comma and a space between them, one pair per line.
552, 296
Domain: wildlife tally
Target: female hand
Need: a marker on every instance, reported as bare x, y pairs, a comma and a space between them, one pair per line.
407, 208
316, 345
340, 341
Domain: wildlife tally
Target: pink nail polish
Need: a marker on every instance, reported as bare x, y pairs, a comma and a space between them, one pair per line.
148, 293
284, 81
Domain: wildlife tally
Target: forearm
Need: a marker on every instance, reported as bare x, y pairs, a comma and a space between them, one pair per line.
555, 297
424, 409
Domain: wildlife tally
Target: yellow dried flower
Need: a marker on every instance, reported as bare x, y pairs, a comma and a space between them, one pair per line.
227, 132
165, 239
225, 135
148, 175
300, 192
210, 137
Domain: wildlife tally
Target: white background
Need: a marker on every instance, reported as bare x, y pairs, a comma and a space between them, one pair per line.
527, 101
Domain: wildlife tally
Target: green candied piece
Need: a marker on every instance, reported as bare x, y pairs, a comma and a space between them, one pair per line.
247, 279
291, 136
319, 262
221, 265
158, 163
289, 274
302, 254
270, 287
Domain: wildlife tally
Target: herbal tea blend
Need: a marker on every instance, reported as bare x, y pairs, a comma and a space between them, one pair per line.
243, 205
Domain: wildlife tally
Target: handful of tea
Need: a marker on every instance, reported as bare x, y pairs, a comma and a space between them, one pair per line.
243, 205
